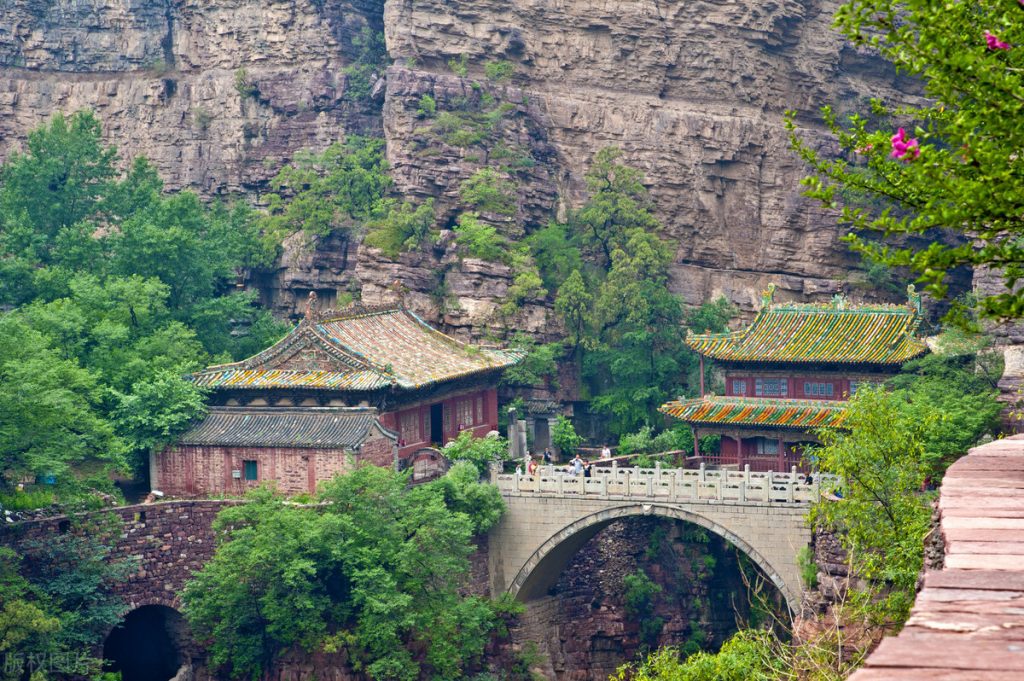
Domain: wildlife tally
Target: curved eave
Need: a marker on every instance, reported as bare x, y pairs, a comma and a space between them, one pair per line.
897, 361
757, 412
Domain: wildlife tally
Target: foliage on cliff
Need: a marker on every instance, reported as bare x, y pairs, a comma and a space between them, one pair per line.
114, 290
374, 570
56, 603
949, 170
610, 270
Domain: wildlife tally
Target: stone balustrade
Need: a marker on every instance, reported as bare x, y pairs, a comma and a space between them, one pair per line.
670, 484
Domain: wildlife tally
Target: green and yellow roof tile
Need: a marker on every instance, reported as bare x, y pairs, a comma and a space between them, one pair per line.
366, 349
831, 333
758, 412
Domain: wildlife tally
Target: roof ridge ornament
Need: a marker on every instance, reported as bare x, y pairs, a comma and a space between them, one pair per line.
914, 299
311, 311
768, 295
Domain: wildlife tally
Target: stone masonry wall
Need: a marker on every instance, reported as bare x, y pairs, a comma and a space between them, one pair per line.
168, 540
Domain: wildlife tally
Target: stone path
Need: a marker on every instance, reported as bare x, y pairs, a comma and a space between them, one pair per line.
967, 623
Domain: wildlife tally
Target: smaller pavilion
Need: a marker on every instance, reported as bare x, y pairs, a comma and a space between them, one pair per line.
374, 384
791, 371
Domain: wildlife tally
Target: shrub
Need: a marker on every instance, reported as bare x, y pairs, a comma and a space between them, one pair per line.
427, 107
487, 191
459, 65
564, 436
808, 568
244, 85
402, 227
480, 239
499, 71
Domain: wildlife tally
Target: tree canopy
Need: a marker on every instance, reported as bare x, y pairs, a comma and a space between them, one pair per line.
948, 169
114, 290
373, 570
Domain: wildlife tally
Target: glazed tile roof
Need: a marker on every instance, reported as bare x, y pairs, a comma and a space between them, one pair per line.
758, 412
260, 378
359, 349
834, 333
409, 349
303, 427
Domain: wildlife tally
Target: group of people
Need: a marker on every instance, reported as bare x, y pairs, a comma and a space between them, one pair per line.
576, 467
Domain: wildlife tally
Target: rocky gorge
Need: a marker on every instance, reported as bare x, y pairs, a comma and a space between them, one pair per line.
220, 95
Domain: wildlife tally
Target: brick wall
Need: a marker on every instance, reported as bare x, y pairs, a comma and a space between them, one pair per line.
195, 471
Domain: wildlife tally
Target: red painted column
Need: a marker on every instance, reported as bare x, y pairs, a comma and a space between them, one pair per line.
782, 456
739, 453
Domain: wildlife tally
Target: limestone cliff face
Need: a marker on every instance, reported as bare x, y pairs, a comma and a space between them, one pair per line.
693, 92
161, 75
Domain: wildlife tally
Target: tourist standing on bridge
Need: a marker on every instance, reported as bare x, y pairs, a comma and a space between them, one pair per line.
577, 465
531, 468
605, 452
547, 456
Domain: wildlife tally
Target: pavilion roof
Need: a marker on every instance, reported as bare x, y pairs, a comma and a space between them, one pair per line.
359, 348
758, 412
830, 333
300, 427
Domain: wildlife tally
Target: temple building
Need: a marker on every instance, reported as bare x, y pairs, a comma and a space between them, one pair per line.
790, 372
374, 384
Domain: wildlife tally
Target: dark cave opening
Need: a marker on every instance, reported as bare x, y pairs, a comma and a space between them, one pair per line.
147, 644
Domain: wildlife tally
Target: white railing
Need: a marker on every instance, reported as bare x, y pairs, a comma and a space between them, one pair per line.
672, 484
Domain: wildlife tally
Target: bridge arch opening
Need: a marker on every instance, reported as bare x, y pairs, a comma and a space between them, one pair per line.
151, 643
542, 570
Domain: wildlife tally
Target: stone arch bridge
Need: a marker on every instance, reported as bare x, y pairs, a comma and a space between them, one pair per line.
551, 515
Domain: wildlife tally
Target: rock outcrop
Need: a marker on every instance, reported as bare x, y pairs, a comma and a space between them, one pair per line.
220, 94
162, 76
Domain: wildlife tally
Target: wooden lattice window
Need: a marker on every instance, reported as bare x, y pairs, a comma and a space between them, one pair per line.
771, 387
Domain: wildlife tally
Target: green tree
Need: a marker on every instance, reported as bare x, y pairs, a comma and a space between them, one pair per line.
618, 206
949, 171
883, 517
335, 190
573, 305
124, 289
374, 571
51, 418
62, 178
401, 227
635, 363
64, 586
564, 436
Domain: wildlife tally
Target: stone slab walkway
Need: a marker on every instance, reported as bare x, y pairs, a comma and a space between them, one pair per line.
967, 623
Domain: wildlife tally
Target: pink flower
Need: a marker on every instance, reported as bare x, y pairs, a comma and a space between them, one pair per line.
902, 148
995, 43
869, 146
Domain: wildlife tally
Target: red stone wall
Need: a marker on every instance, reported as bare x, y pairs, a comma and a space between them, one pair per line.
377, 451
196, 470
